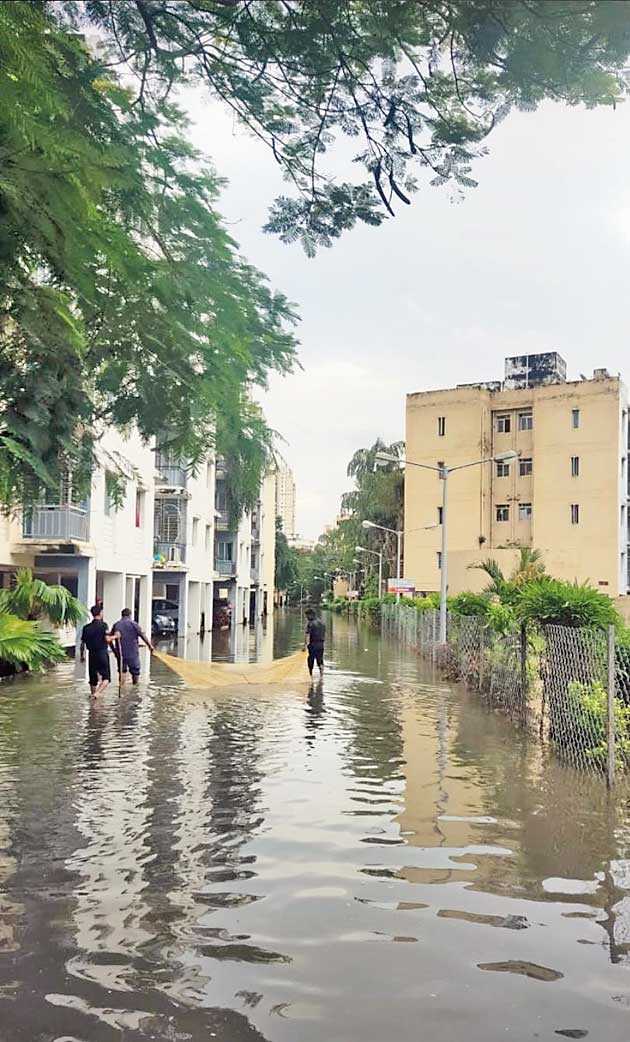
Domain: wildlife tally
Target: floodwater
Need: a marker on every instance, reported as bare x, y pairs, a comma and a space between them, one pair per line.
381, 859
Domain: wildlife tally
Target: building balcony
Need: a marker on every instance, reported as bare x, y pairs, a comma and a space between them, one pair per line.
220, 469
56, 523
168, 555
225, 568
221, 520
170, 472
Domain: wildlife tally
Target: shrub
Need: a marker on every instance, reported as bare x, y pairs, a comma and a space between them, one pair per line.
580, 724
23, 645
370, 607
552, 602
469, 603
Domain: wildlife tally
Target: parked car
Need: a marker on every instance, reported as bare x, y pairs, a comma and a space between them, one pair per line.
163, 624
164, 616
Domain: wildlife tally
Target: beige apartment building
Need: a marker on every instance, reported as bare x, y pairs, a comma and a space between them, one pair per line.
566, 494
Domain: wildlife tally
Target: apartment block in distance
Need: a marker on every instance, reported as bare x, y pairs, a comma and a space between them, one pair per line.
566, 494
285, 499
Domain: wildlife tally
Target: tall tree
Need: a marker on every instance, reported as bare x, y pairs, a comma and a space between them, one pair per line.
416, 85
123, 300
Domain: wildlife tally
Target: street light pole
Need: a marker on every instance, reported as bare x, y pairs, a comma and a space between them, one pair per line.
394, 531
377, 553
444, 557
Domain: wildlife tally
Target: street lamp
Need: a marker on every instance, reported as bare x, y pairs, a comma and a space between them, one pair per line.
377, 553
394, 531
443, 473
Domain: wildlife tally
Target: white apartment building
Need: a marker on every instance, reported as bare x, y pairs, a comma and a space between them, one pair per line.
169, 539
285, 499
183, 544
245, 554
90, 546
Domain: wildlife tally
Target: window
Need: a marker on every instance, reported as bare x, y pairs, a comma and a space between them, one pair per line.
441, 426
139, 507
108, 503
524, 511
525, 467
525, 421
504, 425
208, 537
195, 530
575, 513
503, 470
503, 512
225, 550
575, 466
209, 473
439, 558
575, 418
440, 515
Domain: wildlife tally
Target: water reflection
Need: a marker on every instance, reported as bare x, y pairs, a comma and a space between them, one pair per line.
321, 865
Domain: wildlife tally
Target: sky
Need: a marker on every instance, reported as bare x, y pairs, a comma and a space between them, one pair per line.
536, 258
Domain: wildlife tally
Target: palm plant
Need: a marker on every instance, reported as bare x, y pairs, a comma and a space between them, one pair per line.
23, 645
32, 599
529, 567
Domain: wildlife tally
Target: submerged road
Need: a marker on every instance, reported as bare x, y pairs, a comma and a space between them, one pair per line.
383, 859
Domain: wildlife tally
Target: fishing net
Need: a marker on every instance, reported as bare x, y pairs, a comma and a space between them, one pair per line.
204, 675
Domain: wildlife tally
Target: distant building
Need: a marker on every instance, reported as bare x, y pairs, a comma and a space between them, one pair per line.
566, 494
285, 499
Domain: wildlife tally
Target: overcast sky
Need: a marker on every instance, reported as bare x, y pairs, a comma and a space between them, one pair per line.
534, 259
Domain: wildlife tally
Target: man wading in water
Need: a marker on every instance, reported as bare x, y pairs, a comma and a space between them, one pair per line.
96, 639
127, 632
314, 639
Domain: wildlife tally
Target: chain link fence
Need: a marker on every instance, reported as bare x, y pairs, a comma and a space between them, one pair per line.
570, 687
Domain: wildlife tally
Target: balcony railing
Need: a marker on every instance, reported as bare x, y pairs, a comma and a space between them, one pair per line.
56, 522
171, 474
225, 567
167, 554
222, 520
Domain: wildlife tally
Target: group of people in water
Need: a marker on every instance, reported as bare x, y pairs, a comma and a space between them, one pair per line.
124, 639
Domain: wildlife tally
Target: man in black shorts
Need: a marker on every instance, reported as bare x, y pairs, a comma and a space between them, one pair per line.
96, 639
314, 638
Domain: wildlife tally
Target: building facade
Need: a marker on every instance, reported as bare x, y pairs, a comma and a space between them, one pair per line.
244, 557
285, 499
93, 546
183, 544
566, 494
169, 539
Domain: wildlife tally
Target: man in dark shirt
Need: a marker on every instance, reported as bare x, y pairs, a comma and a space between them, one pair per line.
127, 632
95, 638
314, 639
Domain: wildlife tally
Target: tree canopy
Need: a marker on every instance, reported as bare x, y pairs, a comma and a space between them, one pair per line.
123, 300
416, 87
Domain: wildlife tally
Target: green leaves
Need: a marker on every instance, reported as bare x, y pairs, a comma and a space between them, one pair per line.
24, 645
123, 300
30, 598
415, 88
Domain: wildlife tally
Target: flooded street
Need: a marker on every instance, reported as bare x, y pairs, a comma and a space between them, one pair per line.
383, 859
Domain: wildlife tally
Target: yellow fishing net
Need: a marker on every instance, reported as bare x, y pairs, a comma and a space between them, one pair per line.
206, 675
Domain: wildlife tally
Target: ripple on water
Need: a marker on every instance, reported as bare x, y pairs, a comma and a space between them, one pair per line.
260, 869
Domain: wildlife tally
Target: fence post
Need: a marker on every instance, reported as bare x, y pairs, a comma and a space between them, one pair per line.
610, 772
524, 684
